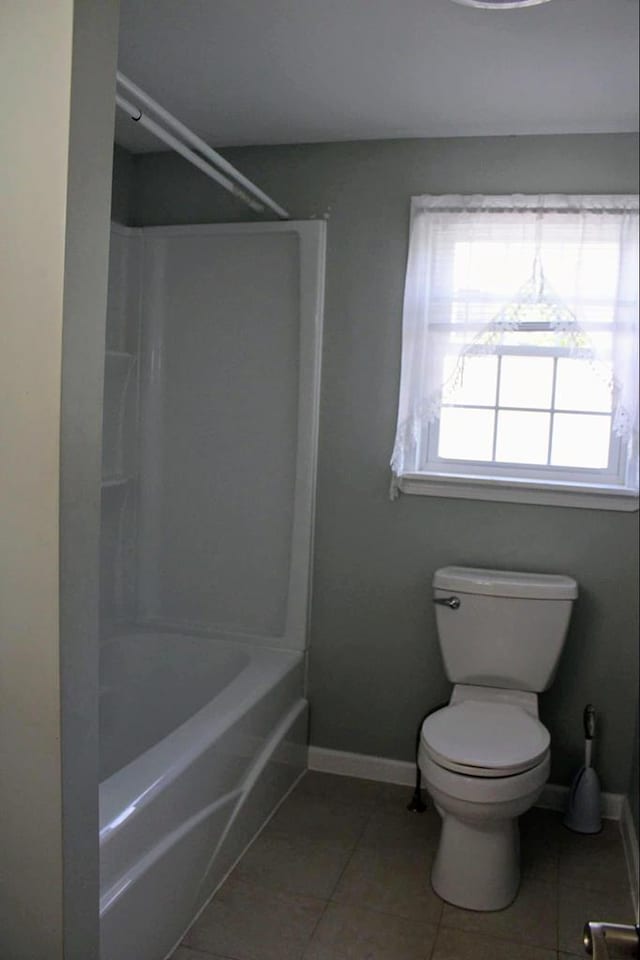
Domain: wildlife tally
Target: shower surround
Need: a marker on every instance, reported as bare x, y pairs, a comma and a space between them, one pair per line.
210, 434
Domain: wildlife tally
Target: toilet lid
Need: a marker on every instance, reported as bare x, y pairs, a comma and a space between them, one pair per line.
485, 739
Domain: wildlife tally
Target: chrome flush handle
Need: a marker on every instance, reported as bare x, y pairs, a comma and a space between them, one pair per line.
452, 602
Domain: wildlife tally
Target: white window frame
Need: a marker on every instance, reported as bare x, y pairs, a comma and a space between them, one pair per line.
604, 488
609, 488
611, 475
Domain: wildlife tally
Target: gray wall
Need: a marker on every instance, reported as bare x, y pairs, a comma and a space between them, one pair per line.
634, 782
122, 193
375, 666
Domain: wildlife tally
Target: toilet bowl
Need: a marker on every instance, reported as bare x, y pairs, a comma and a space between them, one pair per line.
485, 757
484, 764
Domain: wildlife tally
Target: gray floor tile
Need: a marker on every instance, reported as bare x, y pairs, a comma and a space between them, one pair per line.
540, 833
354, 843
546, 823
578, 905
531, 918
394, 881
251, 923
185, 953
319, 818
459, 945
401, 829
595, 862
349, 790
352, 933
295, 864
396, 797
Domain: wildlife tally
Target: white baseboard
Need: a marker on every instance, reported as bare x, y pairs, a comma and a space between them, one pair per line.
554, 797
362, 765
630, 843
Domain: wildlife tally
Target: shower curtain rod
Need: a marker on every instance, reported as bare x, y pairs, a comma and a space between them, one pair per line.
231, 179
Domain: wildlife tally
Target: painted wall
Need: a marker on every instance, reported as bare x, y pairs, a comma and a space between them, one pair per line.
634, 803
121, 196
61, 59
634, 782
375, 665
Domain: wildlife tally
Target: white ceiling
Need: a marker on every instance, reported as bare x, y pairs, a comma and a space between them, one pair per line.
298, 71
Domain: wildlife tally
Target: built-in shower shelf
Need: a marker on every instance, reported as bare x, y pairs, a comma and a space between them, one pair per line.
118, 355
118, 419
117, 481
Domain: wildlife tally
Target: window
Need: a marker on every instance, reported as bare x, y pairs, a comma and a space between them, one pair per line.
520, 350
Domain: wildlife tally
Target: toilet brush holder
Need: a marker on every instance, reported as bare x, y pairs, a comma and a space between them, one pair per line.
584, 807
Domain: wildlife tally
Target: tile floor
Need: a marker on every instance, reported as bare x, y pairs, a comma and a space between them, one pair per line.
341, 872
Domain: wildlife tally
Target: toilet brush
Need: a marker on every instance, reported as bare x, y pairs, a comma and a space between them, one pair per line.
583, 809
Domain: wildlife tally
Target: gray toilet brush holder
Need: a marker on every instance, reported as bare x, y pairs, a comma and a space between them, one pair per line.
584, 813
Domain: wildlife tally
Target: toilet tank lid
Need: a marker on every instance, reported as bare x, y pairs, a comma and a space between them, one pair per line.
506, 583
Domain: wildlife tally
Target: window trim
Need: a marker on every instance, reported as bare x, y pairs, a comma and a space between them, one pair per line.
516, 490
583, 477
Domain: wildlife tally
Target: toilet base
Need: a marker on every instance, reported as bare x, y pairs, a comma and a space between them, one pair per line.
477, 865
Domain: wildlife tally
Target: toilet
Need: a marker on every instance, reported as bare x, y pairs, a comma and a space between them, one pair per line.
485, 757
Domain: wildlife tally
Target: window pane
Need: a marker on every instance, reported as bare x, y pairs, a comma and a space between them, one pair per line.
495, 267
526, 382
580, 440
582, 385
466, 434
591, 268
477, 380
522, 437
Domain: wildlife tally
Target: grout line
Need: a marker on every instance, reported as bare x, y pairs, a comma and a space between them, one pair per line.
499, 938
438, 926
329, 899
378, 807
435, 942
235, 863
351, 855
315, 927
204, 952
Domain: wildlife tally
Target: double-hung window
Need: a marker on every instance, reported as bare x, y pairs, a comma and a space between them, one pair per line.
519, 372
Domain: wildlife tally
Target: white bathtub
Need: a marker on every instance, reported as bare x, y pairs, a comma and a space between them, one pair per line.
200, 739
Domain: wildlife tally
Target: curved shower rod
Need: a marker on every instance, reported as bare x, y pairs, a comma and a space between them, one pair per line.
186, 143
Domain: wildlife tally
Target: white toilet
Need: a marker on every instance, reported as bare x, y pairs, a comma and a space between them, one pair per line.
484, 758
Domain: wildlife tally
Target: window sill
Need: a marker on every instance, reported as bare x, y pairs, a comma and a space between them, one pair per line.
511, 490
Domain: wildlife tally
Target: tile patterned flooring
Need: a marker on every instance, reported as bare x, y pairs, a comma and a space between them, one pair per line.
341, 872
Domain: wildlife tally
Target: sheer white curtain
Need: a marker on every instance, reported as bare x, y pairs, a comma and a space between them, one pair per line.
481, 266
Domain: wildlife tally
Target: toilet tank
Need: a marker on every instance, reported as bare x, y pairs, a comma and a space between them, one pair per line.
500, 628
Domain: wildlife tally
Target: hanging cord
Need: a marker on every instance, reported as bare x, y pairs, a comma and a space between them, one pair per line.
417, 804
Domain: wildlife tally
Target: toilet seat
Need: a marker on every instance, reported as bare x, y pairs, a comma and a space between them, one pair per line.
484, 739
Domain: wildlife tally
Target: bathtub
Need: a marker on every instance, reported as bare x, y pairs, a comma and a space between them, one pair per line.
200, 740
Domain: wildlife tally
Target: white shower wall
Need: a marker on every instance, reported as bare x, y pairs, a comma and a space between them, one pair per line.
118, 536
208, 503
